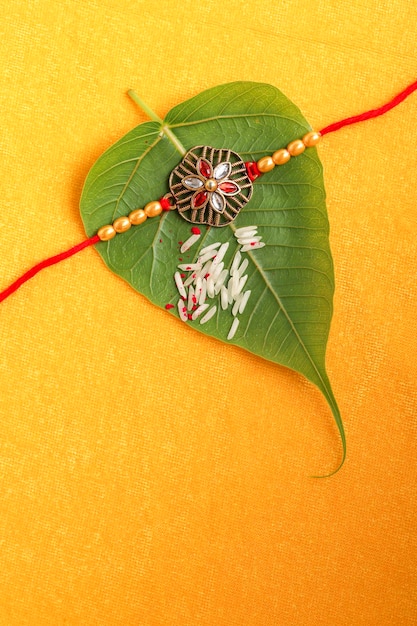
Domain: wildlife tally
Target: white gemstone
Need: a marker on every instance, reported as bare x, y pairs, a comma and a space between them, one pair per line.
192, 182
222, 170
217, 202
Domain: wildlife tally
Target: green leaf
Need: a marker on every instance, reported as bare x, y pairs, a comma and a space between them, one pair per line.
288, 315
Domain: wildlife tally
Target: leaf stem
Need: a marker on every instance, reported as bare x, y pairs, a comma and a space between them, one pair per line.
174, 140
137, 100
153, 116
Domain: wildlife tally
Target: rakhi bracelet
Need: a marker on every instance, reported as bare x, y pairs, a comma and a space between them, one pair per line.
253, 171
205, 193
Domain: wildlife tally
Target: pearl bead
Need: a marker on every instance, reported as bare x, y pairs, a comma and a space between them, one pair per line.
152, 209
296, 147
138, 216
211, 184
122, 224
281, 156
311, 139
106, 232
265, 164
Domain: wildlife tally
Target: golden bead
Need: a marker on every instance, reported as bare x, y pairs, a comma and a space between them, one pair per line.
138, 216
122, 224
281, 156
152, 209
265, 164
106, 232
211, 184
296, 147
311, 139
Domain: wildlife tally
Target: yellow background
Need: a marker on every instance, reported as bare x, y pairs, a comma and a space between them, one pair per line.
150, 475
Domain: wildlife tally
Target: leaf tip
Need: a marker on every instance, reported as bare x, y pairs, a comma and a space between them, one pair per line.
342, 462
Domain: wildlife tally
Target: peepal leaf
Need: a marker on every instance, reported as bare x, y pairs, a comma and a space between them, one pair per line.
287, 318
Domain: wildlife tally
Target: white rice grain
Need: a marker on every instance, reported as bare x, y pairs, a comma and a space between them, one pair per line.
180, 285
206, 269
213, 246
235, 263
209, 315
220, 281
245, 240
191, 297
216, 271
205, 257
220, 254
244, 229
190, 242
235, 309
230, 290
202, 296
233, 329
256, 246
210, 287
198, 286
182, 310
199, 310
188, 267
242, 267
224, 298
244, 300
235, 285
190, 279
242, 282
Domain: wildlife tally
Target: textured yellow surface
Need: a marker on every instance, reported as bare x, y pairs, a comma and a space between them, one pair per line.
150, 475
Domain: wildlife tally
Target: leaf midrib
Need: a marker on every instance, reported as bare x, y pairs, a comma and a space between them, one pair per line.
285, 312
177, 145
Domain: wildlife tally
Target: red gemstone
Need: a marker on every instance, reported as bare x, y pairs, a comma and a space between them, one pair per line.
205, 168
195, 230
165, 204
252, 170
199, 199
228, 187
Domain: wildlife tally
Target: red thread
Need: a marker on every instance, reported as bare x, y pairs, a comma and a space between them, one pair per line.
51, 261
368, 115
253, 173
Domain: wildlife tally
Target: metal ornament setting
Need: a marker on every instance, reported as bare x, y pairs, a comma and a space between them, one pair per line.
210, 186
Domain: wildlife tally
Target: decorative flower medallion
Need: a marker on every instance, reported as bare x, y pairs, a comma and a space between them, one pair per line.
210, 186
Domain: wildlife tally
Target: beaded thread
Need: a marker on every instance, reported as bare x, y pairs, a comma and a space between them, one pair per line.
253, 169
264, 165
136, 217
